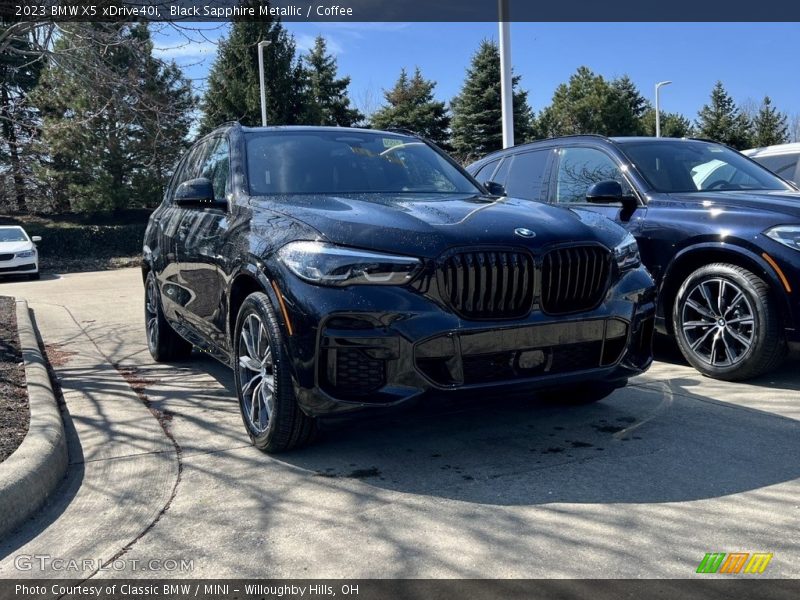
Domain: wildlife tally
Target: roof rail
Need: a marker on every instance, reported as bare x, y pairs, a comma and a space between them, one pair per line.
549, 139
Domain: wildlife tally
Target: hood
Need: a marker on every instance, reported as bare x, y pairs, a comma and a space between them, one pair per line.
14, 247
779, 201
427, 225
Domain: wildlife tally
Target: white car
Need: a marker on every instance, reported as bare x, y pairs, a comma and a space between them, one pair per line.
783, 160
18, 253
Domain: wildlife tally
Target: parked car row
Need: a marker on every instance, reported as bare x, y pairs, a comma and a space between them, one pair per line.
719, 233
338, 270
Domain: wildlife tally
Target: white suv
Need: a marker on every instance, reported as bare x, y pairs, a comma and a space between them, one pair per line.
783, 160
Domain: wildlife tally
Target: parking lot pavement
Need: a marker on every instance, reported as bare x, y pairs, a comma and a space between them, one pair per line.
642, 484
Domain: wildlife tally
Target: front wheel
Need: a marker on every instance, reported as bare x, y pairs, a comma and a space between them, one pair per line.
727, 324
267, 402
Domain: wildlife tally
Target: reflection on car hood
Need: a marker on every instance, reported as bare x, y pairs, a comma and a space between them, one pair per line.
14, 247
785, 202
432, 223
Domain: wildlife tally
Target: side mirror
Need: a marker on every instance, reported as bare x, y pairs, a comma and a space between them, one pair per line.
494, 188
610, 192
36, 239
197, 193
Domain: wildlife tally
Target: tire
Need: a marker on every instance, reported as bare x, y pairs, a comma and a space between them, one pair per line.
34, 276
164, 343
575, 395
270, 412
727, 324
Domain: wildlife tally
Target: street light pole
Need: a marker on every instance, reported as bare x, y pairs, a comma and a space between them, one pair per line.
506, 83
261, 45
659, 85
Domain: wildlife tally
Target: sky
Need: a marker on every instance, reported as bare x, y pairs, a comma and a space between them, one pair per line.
751, 59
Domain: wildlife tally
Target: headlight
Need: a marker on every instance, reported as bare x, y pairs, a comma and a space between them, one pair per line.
326, 264
26, 254
788, 235
626, 253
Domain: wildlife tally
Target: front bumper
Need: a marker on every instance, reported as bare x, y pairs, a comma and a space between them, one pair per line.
19, 266
368, 346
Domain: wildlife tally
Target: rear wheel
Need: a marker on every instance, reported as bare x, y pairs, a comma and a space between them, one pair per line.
727, 324
270, 412
164, 344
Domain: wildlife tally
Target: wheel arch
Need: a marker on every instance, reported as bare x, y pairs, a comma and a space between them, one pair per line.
247, 279
693, 257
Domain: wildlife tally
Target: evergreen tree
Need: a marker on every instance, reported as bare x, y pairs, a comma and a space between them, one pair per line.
631, 109
325, 96
673, 125
19, 73
590, 104
114, 117
769, 126
234, 91
410, 105
477, 111
722, 121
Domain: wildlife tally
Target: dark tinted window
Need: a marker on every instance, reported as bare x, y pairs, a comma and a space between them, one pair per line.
579, 168
502, 171
196, 159
784, 165
189, 166
526, 175
693, 166
333, 162
217, 166
484, 174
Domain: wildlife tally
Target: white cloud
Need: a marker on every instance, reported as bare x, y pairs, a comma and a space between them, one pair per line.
358, 28
187, 50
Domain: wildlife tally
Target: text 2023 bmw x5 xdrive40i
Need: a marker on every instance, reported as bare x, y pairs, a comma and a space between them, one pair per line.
337, 269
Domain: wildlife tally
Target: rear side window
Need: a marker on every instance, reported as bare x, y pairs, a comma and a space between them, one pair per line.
527, 175
784, 165
484, 174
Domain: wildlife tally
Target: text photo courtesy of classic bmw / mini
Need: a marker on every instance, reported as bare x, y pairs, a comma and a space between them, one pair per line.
394, 307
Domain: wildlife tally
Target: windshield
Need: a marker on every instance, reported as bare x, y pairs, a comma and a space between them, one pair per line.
13, 234
695, 166
347, 162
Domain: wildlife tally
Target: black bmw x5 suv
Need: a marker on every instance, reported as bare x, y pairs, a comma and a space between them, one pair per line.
719, 233
339, 269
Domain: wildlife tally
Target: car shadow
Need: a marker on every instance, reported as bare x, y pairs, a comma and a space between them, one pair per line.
654, 441
666, 350
25, 278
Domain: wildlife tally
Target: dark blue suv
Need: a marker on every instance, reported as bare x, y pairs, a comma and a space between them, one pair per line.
719, 233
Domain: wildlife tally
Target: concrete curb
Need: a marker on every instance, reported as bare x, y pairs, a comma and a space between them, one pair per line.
36, 468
